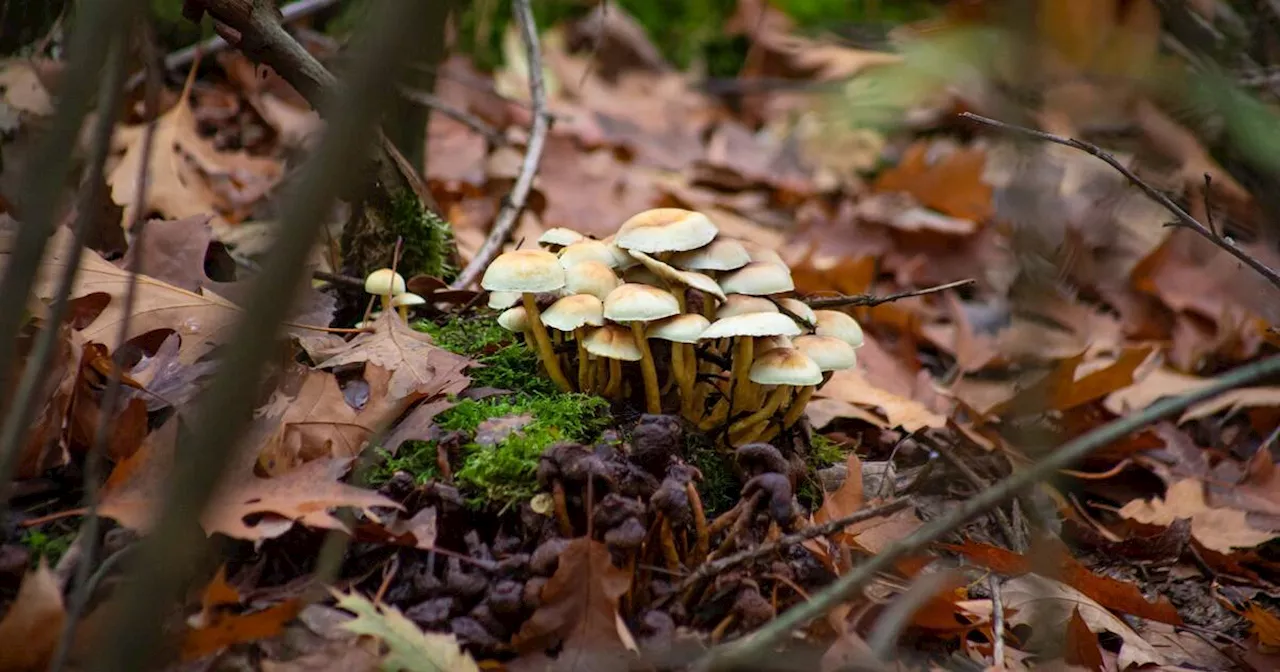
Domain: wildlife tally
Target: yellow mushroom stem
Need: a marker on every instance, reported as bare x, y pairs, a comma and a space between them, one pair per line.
667, 538
584, 362
543, 342
614, 387
741, 427
720, 412
683, 376
742, 355
797, 406
652, 400
702, 543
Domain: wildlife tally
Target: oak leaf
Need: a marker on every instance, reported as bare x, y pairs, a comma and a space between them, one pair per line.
416, 364
1217, 529
408, 648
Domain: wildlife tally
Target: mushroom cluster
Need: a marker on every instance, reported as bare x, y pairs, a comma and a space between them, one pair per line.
390, 286
668, 311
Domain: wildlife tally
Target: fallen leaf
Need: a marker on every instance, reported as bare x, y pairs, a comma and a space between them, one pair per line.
578, 610
1217, 529
1081, 645
1047, 606
1264, 624
496, 430
408, 648
416, 364
31, 627
227, 629
947, 179
852, 387
173, 251
418, 531
845, 500
877, 534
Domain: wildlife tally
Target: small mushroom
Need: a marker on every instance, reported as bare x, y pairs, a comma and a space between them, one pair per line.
503, 300
683, 331
612, 344
403, 301
573, 314
838, 325
798, 309
587, 250
741, 304
655, 442
830, 354
758, 278
784, 369
635, 305
555, 238
528, 272
385, 283
721, 254
676, 280
590, 277
663, 230
763, 254
742, 328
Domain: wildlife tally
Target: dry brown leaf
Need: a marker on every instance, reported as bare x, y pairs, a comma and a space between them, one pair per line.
202, 320
846, 499
1081, 645
1046, 606
173, 251
31, 627
226, 629
851, 386
186, 174
245, 506
579, 611
947, 181
417, 366
876, 534
1164, 382
1217, 529
1264, 623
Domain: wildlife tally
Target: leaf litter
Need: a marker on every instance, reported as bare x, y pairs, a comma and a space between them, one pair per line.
1085, 308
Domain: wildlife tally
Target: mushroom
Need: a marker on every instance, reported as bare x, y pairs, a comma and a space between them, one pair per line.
555, 238
783, 368
503, 300
676, 280
839, 325
572, 313
830, 354
403, 301
682, 331
385, 283
624, 260
527, 272
763, 254
758, 278
743, 328
590, 277
616, 344
587, 250
636, 304
799, 310
664, 230
741, 304
721, 254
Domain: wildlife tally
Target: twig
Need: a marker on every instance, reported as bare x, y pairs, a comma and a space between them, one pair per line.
1013, 536
186, 56
883, 639
514, 203
1184, 220
738, 654
108, 103
463, 117
869, 300
96, 25
709, 569
997, 622
176, 542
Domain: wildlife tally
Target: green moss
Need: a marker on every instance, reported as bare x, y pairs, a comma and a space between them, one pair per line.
504, 361
427, 239
823, 453
719, 488
50, 547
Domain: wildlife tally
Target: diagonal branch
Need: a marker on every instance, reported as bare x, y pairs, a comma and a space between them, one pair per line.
514, 203
869, 300
738, 654
1184, 219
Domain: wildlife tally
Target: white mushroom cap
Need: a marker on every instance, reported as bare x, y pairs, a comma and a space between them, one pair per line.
524, 271
839, 325
763, 343
612, 342
685, 328
573, 312
587, 250
622, 260
741, 304
590, 277
514, 319
760, 253
641, 274
758, 278
721, 254
666, 230
407, 299
503, 300
633, 302
673, 275
752, 324
798, 308
828, 352
559, 237
384, 281
784, 366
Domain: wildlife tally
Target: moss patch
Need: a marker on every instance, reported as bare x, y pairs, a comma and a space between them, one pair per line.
503, 473
427, 238
44, 545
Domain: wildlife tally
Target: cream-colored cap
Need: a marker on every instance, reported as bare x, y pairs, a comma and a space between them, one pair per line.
758, 278
828, 352
741, 304
573, 312
634, 302
524, 271
839, 325
752, 324
590, 277
685, 328
612, 342
721, 254
784, 366
665, 230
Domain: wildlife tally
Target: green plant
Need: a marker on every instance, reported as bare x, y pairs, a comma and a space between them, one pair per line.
426, 238
50, 547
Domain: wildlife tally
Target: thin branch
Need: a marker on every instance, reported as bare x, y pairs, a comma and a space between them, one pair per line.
1184, 220
176, 543
461, 116
869, 300
709, 569
97, 24
738, 655
108, 108
514, 204
997, 622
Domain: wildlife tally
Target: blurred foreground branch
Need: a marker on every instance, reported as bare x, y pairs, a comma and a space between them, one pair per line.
176, 542
1184, 219
740, 654
514, 203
